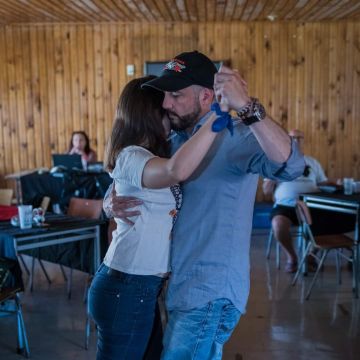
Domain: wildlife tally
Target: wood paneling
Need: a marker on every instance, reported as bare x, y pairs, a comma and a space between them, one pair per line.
58, 78
93, 11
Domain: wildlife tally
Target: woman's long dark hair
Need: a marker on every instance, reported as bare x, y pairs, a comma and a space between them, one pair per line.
87, 141
138, 121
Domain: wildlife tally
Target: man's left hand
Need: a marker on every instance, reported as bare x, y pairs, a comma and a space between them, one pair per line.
230, 88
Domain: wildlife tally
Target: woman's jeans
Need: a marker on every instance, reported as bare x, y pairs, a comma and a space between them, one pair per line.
123, 307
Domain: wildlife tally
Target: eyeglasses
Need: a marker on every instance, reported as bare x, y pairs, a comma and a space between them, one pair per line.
297, 137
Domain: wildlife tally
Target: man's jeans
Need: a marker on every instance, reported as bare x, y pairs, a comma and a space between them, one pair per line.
200, 334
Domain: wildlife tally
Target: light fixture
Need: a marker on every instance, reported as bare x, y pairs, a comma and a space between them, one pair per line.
271, 17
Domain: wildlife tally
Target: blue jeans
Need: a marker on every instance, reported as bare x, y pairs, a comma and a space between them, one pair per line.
200, 334
123, 307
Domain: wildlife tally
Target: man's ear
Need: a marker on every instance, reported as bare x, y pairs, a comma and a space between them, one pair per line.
206, 97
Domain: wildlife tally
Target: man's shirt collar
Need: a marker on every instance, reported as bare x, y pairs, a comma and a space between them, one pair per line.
184, 134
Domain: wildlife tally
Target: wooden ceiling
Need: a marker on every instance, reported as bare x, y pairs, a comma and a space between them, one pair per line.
91, 11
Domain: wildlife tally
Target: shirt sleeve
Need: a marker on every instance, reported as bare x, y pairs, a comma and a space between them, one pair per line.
320, 174
250, 158
130, 165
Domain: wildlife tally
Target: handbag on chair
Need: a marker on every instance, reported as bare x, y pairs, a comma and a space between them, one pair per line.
10, 275
11, 284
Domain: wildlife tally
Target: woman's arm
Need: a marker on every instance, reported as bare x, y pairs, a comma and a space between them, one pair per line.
92, 157
160, 172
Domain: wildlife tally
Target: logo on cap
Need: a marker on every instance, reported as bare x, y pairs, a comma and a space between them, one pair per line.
175, 65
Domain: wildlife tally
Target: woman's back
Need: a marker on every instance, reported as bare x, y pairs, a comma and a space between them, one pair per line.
141, 248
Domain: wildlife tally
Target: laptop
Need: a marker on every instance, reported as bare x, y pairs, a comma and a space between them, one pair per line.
68, 161
95, 167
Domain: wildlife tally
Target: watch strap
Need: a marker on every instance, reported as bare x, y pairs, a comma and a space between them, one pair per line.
250, 120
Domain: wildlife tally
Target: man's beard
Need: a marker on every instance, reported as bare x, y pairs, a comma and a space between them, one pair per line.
184, 122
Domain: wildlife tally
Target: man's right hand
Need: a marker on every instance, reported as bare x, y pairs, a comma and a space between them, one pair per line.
117, 206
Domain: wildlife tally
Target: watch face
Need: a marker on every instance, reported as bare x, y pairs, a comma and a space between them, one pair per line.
259, 111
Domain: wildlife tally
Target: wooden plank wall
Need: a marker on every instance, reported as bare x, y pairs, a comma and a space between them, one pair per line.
58, 78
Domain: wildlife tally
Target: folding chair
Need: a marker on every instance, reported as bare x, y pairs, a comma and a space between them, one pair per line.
6, 196
85, 208
90, 209
10, 286
295, 231
324, 244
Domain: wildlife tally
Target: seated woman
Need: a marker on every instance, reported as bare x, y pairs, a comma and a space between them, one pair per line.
80, 144
125, 288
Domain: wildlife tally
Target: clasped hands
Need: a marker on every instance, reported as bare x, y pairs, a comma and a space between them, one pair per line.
230, 89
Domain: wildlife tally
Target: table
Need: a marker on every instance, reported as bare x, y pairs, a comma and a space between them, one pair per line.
60, 232
346, 204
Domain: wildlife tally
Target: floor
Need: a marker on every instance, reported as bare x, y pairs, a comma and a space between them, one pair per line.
279, 324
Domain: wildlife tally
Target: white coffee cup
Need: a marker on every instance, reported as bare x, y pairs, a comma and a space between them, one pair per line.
25, 216
348, 186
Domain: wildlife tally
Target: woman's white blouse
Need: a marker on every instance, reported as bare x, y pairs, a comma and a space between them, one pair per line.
142, 248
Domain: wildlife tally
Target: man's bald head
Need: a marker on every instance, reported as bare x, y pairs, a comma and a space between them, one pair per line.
297, 134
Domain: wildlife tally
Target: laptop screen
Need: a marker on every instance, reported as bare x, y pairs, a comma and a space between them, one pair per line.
68, 161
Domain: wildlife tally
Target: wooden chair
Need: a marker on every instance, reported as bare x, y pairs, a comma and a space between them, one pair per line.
85, 208
90, 209
322, 245
9, 291
6, 196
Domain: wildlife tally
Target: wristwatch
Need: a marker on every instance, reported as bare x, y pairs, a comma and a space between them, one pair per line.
252, 112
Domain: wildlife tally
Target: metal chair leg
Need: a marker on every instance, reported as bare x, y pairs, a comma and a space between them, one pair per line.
69, 283
44, 271
356, 269
268, 248
63, 273
269, 242
87, 324
31, 281
23, 345
278, 247
305, 254
323, 257
32, 273
277, 255
86, 289
338, 266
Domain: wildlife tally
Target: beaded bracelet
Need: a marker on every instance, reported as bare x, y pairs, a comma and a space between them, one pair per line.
243, 112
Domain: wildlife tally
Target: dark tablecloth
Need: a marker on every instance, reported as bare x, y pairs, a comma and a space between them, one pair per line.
60, 187
78, 255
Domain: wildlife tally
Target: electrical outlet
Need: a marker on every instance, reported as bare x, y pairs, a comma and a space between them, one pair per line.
130, 69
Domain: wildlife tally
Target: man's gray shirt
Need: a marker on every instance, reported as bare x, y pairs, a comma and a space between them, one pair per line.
211, 237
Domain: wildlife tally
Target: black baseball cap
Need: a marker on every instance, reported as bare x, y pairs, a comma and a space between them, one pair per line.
186, 69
